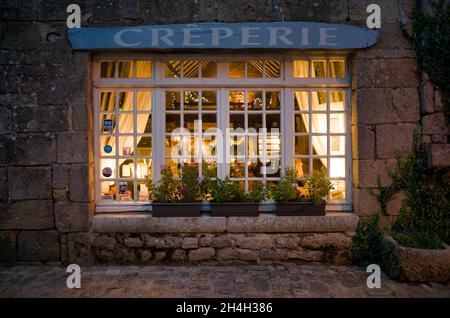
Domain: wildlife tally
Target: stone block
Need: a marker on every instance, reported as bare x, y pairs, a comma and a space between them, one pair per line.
227, 254
271, 254
104, 242
7, 246
79, 248
370, 171
205, 240
72, 147
396, 203
222, 241
179, 255
35, 149
308, 256
146, 255
41, 119
434, 124
5, 120
79, 189
366, 143
248, 255
201, 254
38, 246
3, 184
30, 183
7, 150
172, 241
439, 155
190, 242
133, 242
72, 217
160, 256
80, 117
151, 241
28, 215
357, 11
289, 241
386, 73
60, 177
365, 203
323, 240
256, 242
394, 139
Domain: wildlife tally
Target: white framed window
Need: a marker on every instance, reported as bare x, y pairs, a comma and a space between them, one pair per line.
152, 110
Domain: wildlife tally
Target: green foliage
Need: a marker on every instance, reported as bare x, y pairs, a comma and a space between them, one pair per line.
368, 245
418, 239
168, 189
257, 193
431, 42
286, 190
427, 193
317, 186
190, 185
227, 190
208, 182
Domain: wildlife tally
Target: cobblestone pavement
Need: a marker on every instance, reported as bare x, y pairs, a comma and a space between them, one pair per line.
206, 281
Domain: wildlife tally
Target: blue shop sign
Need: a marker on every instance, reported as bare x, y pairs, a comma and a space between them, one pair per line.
267, 35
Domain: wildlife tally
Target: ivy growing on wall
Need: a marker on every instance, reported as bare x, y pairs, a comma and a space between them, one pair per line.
430, 40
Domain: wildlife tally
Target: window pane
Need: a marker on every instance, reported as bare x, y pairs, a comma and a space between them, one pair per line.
190, 146
108, 190
237, 145
126, 123
301, 123
191, 122
126, 101
255, 122
337, 145
236, 100
209, 100
337, 168
107, 69
190, 69
319, 68
144, 101
301, 101
209, 122
319, 164
237, 168
172, 122
337, 68
125, 69
190, 100
272, 69
107, 101
301, 68
272, 167
126, 146
254, 100
337, 123
108, 145
126, 168
338, 193
337, 100
254, 145
108, 168
143, 69
173, 146
144, 146
319, 123
108, 123
236, 69
302, 167
255, 168
143, 193
174, 164
273, 122
320, 145
301, 145
209, 144
172, 100
237, 121
209, 69
319, 101
273, 145
211, 165
254, 69
273, 100
126, 191
144, 123
173, 69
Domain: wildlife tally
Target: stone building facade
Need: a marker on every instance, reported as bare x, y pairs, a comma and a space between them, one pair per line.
47, 209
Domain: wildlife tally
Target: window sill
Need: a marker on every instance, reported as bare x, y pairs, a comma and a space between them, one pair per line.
264, 223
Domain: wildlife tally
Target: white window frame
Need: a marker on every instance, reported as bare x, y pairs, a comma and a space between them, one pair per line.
287, 84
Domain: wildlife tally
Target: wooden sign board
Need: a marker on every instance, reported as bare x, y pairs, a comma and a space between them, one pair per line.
267, 35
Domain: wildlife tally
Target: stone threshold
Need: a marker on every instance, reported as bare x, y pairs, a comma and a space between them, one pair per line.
264, 223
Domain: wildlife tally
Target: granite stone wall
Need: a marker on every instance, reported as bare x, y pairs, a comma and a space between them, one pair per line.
46, 164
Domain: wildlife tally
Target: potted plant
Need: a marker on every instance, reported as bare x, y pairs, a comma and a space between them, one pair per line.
176, 198
229, 199
293, 199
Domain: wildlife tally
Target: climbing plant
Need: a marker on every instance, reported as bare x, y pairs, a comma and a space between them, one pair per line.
430, 39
